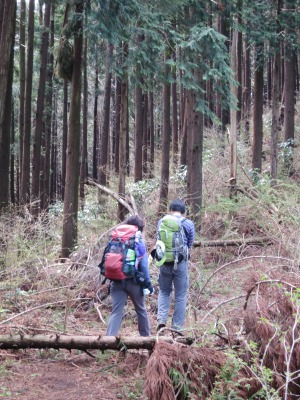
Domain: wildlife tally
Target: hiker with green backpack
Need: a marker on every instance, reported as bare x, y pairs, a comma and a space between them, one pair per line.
175, 237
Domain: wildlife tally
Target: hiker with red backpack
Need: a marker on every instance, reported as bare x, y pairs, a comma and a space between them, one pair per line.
125, 264
175, 237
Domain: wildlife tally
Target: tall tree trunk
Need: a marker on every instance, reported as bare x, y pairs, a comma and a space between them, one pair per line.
25, 168
233, 116
22, 77
64, 139
54, 163
45, 160
84, 165
95, 124
195, 154
289, 87
7, 32
36, 159
138, 137
275, 103
145, 135
117, 124
5, 122
13, 196
69, 235
123, 135
184, 134
151, 135
165, 151
246, 104
104, 140
258, 111
175, 137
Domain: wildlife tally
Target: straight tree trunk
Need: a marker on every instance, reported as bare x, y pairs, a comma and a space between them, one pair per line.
123, 136
45, 159
165, 151
95, 124
39, 120
233, 117
184, 134
151, 135
25, 168
275, 104
104, 139
258, 112
64, 139
246, 104
13, 192
54, 161
22, 76
289, 88
145, 135
5, 125
6, 74
175, 138
84, 165
138, 137
196, 152
69, 235
117, 124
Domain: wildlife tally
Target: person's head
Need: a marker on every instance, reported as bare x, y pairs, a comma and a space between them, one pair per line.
177, 205
135, 220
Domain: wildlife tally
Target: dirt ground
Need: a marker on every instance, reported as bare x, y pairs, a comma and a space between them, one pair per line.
53, 375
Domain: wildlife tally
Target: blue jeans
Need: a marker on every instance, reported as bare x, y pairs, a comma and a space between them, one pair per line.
119, 294
180, 278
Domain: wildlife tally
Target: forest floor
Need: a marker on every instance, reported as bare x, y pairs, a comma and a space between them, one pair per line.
63, 375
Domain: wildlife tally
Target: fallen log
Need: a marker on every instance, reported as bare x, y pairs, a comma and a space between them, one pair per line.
257, 241
84, 343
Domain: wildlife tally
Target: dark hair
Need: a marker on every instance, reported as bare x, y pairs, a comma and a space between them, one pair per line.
177, 205
135, 220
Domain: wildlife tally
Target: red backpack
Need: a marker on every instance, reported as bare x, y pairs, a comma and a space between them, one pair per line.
119, 257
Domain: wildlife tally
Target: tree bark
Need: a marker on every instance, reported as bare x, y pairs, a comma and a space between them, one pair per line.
6, 77
165, 151
258, 111
289, 88
95, 123
39, 120
25, 168
45, 160
22, 77
145, 136
69, 235
83, 165
104, 139
123, 135
138, 137
117, 124
15, 342
275, 103
151, 135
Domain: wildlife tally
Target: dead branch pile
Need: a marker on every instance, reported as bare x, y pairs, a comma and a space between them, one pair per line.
175, 371
272, 322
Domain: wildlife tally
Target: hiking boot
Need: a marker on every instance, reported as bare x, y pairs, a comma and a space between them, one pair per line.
160, 326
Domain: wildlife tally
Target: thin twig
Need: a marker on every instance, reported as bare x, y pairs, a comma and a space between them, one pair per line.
41, 306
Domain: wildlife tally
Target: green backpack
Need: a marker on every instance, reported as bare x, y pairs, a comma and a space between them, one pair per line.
172, 234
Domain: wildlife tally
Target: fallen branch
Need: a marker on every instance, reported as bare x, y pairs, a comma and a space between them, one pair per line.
113, 195
234, 242
84, 342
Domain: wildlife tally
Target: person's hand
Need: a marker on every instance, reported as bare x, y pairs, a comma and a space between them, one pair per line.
149, 287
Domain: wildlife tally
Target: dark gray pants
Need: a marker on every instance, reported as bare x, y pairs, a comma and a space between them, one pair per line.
119, 294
